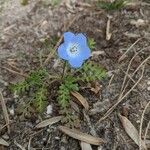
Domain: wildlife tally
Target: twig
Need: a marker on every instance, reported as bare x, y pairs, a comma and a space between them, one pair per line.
120, 99
124, 54
18, 145
58, 43
93, 132
5, 112
128, 68
14, 72
146, 131
108, 34
110, 81
29, 144
141, 123
13, 66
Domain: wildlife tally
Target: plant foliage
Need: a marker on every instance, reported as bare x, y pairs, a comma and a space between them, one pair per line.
65, 88
91, 43
115, 5
40, 99
91, 72
36, 80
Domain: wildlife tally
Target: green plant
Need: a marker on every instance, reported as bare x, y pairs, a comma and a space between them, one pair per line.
34, 79
40, 99
91, 72
38, 81
115, 5
65, 88
51, 2
24, 2
91, 43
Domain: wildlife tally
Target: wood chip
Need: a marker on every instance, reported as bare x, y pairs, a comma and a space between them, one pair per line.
76, 134
96, 88
97, 53
48, 122
108, 34
3, 142
85, 146
81, 99
131, 130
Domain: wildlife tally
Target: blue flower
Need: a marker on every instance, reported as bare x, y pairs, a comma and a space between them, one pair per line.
74, 49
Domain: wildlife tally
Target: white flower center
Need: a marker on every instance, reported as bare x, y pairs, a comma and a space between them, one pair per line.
73, 49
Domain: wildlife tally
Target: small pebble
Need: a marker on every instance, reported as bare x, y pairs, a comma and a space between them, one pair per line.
148, 82
49, 109
148, 88
57, 138
12, 111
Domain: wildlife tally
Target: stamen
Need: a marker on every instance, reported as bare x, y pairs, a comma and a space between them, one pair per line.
73, 50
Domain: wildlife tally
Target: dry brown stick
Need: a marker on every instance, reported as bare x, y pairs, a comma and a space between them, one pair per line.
123, 88
121, 94
120, 99
13, 66
129, 49
141, 64
146, 131
14, 72
128, 68
5, 112
141, 123
58, 43
93, 131
108, 34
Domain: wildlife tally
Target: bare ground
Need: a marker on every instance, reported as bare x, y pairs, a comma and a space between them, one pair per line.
22, 32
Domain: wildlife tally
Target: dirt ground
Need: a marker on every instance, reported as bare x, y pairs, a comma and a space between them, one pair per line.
125, 55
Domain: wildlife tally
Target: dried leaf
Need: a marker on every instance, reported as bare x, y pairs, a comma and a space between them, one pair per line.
96, 88
76, 134
131, 130
85, 146
3, 142
81, 99
48, 122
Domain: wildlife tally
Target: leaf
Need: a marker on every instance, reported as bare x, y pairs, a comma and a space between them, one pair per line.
96, 88
85, 146
3, 142
81, 99
76, 134
131, 130
48, 122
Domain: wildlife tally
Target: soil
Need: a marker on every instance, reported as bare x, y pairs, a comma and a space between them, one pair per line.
23, 32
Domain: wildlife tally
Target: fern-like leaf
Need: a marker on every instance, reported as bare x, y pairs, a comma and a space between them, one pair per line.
64, 91
20, 87
91, 43
40, 99
115, 5
91, 72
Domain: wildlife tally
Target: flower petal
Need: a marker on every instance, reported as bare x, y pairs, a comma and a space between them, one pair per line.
85, 52
76, 63
81, 39
68, 36
62, 52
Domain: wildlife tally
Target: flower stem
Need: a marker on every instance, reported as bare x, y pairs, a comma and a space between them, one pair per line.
64, 69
